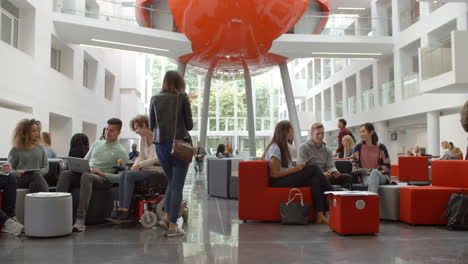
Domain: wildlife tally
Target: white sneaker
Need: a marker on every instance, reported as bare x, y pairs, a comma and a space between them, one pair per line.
12, 227
175, 233
79, 225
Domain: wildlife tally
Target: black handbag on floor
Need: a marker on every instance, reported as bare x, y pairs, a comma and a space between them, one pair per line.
457, 211
294, 213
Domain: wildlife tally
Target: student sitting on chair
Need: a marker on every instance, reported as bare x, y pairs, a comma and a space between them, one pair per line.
27, 158
315, 147
102, 156
143, 168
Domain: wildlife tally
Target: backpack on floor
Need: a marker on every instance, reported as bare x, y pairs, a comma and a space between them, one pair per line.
457, 211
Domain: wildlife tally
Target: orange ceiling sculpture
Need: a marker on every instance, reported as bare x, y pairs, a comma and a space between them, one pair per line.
225, 34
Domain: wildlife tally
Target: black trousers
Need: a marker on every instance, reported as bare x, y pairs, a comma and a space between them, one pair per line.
310, 176
344, 180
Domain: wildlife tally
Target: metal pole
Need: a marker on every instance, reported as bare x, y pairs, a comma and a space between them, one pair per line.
206, 105
181, 68
250, 111
288, 94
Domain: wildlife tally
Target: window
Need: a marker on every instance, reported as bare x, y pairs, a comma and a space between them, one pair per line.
56, 59
9, 20
85, 74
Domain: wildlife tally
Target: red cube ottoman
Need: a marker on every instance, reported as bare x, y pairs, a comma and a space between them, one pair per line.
353, 213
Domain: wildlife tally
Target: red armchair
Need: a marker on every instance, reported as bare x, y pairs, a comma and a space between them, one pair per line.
426, 204
413, 169
257, 200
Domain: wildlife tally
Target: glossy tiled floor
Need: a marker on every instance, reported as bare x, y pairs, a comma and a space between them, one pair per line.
216, 236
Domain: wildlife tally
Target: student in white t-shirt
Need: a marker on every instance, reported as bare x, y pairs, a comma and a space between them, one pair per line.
284, 174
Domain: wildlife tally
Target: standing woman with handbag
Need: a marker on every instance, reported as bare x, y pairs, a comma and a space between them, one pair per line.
284, 174
170, 120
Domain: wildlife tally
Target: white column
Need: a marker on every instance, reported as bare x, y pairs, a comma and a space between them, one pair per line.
376, 83
199, 104
345, 98
206, 105
358, 92
379, 19
433, 133
382, 131
216, 84
250, 112
322, 106
398, 71
181, 67
289, 95
236, 109
333, 103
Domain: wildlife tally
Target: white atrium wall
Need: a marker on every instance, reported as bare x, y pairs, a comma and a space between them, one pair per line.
28, 83
401, 65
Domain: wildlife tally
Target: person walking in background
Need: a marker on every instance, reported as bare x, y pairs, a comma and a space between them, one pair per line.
132, 156
199, 155
47, 145
284, 174
27, 158
79, 146
343, 132
171, 118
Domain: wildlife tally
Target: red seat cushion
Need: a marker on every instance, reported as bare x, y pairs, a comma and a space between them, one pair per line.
257, 200
451, 173
413, 168
395, 170
425, 205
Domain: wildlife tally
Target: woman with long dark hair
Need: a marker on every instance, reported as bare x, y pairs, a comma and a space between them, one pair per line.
220, 151
169, 105
79, 146
283, 174
372, 155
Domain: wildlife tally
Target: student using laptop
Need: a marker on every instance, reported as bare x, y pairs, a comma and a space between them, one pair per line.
27, 157
102, 156
315, 147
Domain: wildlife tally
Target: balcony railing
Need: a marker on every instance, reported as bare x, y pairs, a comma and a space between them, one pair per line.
411, 85
387, 93
435, 61
343, 25
409, 16
367, 100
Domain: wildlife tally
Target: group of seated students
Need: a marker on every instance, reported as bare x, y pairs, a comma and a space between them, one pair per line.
28, 163
322, 173
225, 151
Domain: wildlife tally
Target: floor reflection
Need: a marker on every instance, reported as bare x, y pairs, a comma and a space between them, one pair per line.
215, 235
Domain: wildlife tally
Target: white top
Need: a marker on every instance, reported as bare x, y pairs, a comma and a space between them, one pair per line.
48, 195
148, 157
274, 151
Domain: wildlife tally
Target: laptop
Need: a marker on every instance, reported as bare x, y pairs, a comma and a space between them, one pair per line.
78, 165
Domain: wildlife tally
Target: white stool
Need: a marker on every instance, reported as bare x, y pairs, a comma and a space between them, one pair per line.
48, 214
